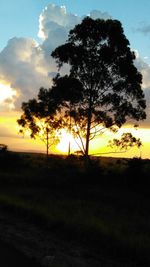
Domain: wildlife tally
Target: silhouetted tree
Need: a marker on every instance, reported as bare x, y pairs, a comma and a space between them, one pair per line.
101, 61
39, 117
126, 142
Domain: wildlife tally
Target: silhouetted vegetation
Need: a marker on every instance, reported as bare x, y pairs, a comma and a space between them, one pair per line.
126, 141
3, 148
102, 90
105, 209
101, 62
39, 118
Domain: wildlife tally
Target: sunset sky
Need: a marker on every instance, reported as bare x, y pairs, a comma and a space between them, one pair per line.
31, 29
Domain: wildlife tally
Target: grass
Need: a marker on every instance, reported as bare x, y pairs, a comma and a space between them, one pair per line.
106, 209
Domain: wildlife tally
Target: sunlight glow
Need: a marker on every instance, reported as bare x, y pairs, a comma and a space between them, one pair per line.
6, 94
66, 139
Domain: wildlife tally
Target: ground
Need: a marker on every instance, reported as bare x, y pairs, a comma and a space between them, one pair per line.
63, 213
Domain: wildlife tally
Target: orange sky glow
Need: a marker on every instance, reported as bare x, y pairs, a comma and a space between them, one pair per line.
9, 135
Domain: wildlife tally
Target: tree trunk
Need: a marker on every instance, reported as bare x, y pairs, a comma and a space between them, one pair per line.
88, 137
69, 148
89, 115
69, 145
47, 143
87, 159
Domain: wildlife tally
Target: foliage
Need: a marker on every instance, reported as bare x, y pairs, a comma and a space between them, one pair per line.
3, 148
67, 92
39, 118
101, 61
127, 141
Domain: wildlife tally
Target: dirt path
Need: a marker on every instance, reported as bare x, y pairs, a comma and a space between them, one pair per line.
31, 246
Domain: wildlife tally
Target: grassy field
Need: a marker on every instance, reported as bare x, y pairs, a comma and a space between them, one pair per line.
105, 207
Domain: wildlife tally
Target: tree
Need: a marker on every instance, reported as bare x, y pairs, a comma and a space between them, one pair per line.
126, 142
100, 59
40, 119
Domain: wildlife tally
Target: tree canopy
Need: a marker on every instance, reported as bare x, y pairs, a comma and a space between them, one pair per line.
39, 118
102, 64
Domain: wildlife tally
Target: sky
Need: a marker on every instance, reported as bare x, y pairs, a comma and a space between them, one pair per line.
31, 29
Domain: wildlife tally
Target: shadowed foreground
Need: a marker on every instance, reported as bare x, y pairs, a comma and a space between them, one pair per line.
9, 256
62, 215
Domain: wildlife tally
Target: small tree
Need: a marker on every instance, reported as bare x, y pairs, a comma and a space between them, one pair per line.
126, 142
39, 118
100, 59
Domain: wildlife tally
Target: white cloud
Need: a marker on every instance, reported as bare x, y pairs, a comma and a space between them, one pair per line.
144, 68
55, 18
23, 66
95, 14
27, 65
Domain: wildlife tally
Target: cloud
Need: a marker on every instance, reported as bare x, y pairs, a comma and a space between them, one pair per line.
27, 65
55, 19
23, 66
96, 14
144, 29
144, 68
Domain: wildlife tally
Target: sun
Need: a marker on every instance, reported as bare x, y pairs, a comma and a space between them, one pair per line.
68, 143
67, 140
6, 92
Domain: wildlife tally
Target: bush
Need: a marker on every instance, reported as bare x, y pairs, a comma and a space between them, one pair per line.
3, 148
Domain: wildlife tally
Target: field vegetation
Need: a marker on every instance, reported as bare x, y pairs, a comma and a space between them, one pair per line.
105, 208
